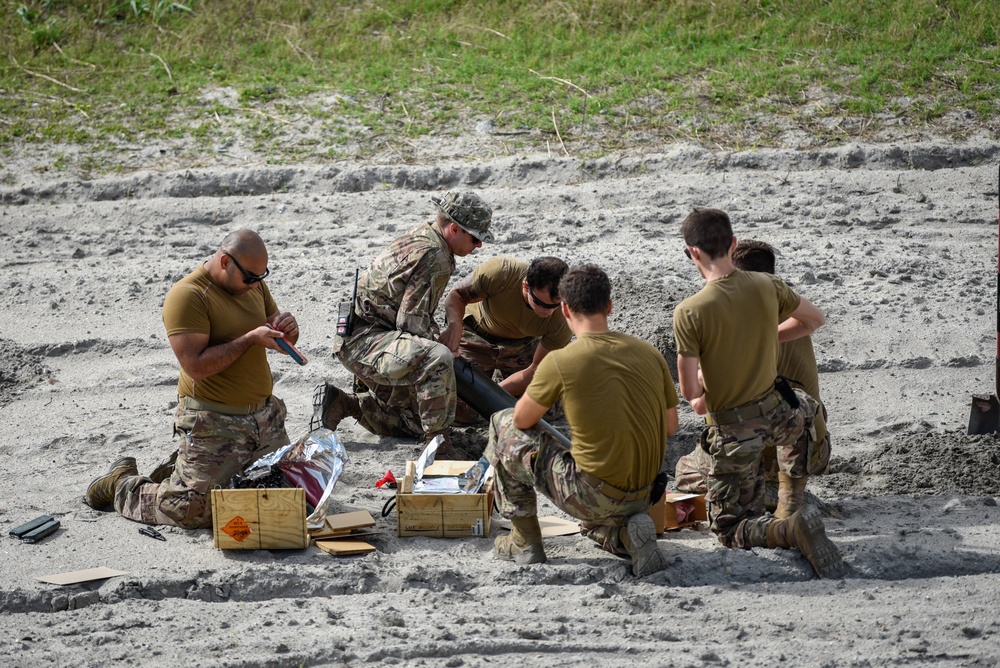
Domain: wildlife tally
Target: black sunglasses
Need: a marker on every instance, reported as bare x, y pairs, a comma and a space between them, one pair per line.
249, 278
542, 304
687, 252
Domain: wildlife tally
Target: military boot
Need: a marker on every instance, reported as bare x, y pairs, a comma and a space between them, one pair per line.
791, 495
164, 469
101, 492
639, 538
804, 531
331, 405
524, 543
445, 449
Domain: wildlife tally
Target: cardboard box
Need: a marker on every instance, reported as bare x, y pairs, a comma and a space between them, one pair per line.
259, 519
667, 512
443, 515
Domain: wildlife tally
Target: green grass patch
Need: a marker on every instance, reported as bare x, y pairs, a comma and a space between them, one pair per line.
139, 70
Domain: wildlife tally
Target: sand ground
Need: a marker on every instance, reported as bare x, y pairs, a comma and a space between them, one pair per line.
894, 242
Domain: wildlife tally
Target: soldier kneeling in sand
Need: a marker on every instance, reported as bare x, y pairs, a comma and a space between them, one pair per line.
621, 405
783, 495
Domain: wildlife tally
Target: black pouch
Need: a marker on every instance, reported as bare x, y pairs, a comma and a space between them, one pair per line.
785, 390
659, 487
345, 311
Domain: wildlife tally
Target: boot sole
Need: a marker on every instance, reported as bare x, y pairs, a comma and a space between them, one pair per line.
824, 555
647, 558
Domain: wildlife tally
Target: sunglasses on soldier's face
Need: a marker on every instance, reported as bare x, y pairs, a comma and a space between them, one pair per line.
540, 303
248, 278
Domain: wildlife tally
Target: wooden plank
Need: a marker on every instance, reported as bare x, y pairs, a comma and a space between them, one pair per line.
342, 548
448, 467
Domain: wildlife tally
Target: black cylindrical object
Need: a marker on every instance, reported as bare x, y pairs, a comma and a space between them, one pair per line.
486, 397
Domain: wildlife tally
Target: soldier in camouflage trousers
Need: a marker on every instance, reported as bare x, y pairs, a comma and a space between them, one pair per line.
727, 348
605, 476
220, 321
404, 378
214, 448
784, 487
527, 461
730, 457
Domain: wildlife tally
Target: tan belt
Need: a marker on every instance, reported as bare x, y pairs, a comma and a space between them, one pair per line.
199, 405
610, 491
746, 412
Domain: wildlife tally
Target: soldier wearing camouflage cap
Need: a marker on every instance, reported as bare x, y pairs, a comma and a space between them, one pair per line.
404, 375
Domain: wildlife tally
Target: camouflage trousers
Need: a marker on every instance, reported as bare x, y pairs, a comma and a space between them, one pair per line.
405, 383
214, 447
526, 461
735, 474
692, 468
505, 356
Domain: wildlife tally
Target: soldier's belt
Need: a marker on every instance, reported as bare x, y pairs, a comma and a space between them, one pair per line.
746, 412
611, 491
198, 405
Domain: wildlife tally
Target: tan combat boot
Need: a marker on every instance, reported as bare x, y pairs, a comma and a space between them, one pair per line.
101, 492
804, 531
524, 543
331, 405
791, 495
639, 538
164, 469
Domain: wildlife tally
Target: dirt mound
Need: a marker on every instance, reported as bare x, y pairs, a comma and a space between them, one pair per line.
923, 463
19, 370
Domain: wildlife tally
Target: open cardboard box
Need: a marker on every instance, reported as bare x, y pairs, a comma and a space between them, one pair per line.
676, 511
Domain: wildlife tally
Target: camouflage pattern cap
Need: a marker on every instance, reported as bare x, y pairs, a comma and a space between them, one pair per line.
468, 211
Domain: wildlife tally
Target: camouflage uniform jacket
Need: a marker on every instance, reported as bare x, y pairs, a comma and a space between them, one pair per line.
403, 285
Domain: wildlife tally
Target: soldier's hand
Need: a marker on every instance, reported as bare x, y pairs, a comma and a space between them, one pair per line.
452, 336
266, 337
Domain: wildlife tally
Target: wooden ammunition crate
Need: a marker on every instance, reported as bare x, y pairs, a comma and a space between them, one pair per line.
443, 515
259, 519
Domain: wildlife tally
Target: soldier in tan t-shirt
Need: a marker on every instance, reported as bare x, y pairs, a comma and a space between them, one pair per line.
727, 347
621, 406
220, 321
797, 362
505, 316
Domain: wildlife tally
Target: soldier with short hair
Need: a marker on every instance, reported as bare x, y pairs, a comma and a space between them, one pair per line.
727, 347
514, 318
783, 495
405, 377
621, 405
220, 321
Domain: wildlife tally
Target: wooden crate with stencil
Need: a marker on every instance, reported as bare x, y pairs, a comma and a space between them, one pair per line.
259, 519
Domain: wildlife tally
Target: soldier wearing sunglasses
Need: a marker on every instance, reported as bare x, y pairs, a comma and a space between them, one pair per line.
506, 315
404, 376
220, 321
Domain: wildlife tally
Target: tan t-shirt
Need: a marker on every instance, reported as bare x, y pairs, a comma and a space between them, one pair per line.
731, 324
195, 305
797, 361
503, 314
615, 389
